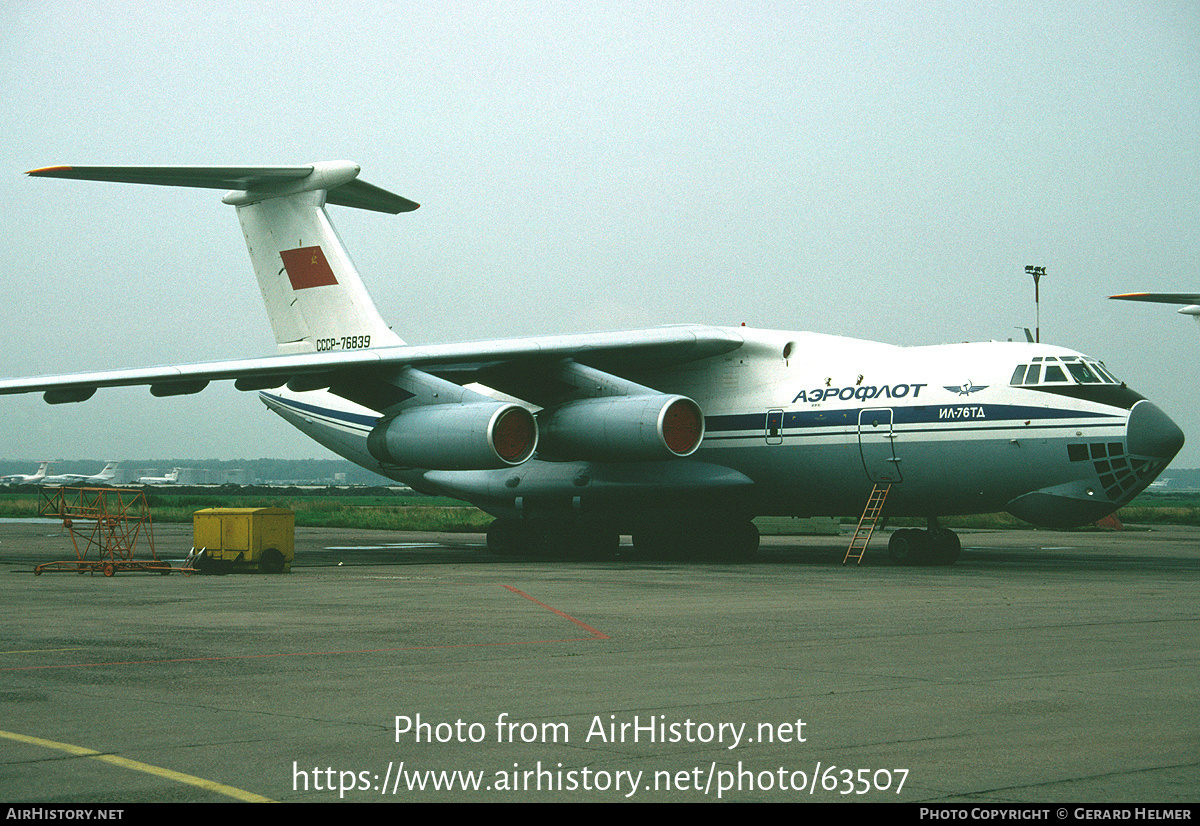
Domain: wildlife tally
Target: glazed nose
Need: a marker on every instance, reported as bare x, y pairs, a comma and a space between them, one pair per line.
1151, 433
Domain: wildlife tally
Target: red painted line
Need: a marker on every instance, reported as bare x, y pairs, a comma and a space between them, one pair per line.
595, 635
582, 625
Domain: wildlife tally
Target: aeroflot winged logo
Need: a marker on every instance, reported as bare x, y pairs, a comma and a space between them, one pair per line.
306, 267
966, 388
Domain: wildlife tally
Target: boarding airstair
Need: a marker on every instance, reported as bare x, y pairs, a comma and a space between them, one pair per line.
867, 523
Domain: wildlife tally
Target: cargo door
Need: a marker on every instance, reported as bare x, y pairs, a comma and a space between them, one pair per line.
877, 444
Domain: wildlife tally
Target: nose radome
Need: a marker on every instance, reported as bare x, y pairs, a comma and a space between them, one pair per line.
1152, 433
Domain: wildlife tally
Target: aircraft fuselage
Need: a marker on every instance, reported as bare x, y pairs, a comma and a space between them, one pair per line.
806, 424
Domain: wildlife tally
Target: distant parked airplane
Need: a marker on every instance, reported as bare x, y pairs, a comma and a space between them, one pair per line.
104, 477
170, 479
23, 479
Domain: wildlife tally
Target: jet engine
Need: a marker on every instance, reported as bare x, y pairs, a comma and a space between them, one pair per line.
622, 428
471, 436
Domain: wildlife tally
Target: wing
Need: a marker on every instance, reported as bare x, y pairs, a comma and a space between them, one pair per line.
1191, 301
505, 365
1160, 298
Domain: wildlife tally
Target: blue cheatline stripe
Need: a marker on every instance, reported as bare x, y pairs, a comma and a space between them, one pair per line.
974, 418
900, 415
957, 428
340, 416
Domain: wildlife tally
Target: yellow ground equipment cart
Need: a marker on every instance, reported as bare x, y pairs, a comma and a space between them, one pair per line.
244, 539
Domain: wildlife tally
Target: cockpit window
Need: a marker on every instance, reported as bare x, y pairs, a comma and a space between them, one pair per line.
1081, 371
1075, 377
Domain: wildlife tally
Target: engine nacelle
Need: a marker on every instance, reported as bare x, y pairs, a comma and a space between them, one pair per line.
472, 436
622, 428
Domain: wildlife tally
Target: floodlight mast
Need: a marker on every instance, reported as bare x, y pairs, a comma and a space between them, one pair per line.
1037, 273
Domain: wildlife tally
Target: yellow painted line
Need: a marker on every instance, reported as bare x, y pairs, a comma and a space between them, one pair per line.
125, 763
39, 650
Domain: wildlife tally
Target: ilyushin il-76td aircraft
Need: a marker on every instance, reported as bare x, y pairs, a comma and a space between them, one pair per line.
677, 435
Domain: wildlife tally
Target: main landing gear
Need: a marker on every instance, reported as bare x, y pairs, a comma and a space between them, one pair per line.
935, 546
699, 539
732, 540
562, 540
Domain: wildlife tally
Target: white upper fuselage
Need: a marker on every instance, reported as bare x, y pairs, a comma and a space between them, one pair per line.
813, 421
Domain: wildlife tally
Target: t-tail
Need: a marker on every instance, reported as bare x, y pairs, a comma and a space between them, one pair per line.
314, 296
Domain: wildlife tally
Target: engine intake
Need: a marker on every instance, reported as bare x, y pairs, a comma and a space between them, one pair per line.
622, 428
473, 436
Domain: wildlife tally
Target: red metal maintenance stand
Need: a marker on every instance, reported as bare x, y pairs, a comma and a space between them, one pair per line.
106, 526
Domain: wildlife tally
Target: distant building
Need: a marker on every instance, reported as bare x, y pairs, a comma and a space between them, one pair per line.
237, 476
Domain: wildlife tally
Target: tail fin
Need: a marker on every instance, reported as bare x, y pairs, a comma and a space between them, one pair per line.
314, 296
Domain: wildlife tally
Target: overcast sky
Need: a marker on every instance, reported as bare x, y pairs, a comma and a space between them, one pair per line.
878, 170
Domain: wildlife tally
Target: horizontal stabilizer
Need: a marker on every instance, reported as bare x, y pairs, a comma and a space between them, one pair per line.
338, 178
